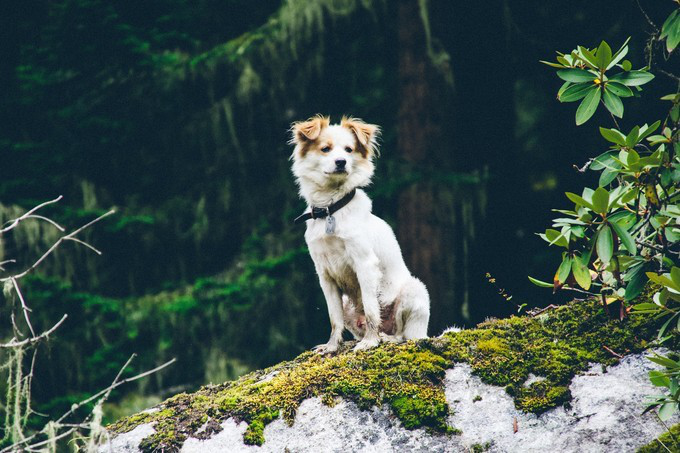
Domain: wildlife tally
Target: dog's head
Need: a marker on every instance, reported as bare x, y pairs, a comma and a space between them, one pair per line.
334, 156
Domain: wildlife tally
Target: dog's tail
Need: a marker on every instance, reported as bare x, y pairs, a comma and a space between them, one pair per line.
415, 310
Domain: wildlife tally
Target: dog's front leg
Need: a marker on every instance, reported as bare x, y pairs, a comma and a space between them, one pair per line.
368, 274
334, 302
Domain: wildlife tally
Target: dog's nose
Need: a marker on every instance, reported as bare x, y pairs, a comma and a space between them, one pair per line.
340, 163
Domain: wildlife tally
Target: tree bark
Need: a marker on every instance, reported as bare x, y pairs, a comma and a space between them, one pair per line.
441, 208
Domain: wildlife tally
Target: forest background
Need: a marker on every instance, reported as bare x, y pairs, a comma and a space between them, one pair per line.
176, 113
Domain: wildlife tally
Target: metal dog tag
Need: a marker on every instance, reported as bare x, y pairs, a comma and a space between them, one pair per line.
330, 224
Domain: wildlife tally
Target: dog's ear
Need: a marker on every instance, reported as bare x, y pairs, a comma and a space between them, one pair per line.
309, 130
366, 134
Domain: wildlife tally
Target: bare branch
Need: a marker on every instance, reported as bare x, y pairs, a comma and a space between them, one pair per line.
48, 220
24, 307
47, 333
116, 383
105, 392
15, 222
649, 21
69, 236
570, 288
5, 262
85, 244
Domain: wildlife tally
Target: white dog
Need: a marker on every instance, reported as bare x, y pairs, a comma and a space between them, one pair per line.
367, 286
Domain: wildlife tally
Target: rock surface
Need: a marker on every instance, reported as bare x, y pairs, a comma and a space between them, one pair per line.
603, 415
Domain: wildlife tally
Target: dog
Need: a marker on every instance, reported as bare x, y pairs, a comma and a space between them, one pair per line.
368, 288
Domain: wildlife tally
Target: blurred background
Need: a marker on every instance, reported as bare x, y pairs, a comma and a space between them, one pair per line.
176, 113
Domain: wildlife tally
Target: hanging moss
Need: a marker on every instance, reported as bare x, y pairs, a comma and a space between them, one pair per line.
409, 377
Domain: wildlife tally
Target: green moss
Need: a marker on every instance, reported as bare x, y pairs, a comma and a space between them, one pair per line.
668, 441
479, 448
409, 377
556, 345
254, 435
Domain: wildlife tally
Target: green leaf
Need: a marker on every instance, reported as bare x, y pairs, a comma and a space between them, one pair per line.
588, 105
632, 78
636, 282
605, 161
647, 307
588, 56
578, 200
550, 63
618, 56
646, 130
581, 274
606, 177
612, 135
659, 378
663, 361
613, 103
574, 92
671, 31
675, 275
663, 280
627, 65
605, 244
540, 283
563, 88
662, 331
600, 200
629, 196
632, 137
564, 270
603, 55
665, 28
575, 75
667, 410
625, 237
619, 89
555, 237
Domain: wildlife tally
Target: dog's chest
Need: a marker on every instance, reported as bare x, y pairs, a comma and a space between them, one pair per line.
330, 254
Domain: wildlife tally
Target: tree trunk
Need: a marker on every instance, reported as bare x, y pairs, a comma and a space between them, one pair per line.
440, 212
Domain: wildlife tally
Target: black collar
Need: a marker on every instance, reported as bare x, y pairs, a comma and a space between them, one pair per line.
320, 213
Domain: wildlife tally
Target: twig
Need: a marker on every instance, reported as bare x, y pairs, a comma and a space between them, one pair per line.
24, 307
648, 245
106, 392
582, 291
48, 220
69, 236
668, 74
538, 311
85, 244
28, 214
585, 166
615, 354
114, 385
5, 262
18, 344
649, 21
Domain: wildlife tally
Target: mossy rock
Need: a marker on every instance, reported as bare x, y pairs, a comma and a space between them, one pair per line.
408, 377
669, 441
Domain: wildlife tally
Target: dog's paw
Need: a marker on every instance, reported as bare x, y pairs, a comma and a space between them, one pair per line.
326, 348
391, 338
366, 343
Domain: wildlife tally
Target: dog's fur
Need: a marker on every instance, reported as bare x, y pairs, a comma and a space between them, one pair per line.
367, 286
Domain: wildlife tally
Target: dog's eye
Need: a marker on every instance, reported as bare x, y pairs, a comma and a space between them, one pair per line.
326, 149
348, 149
